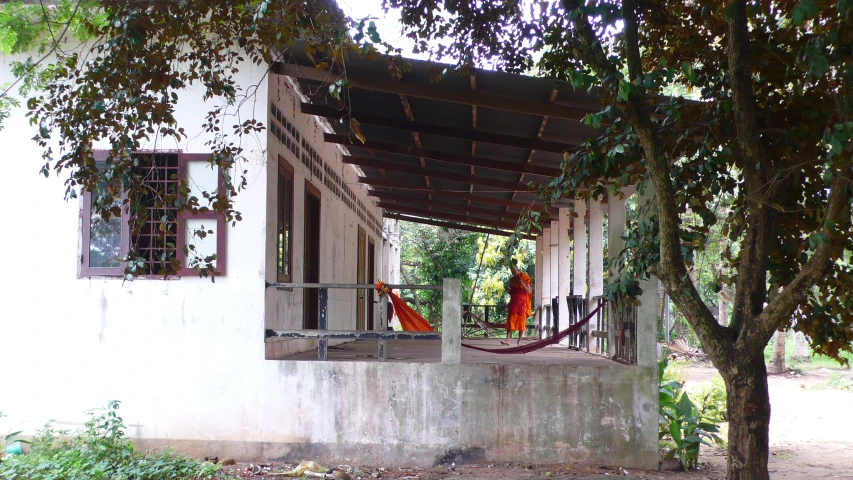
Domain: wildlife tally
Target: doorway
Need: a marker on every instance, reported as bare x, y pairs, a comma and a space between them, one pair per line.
311, 270
371, 279
360, 278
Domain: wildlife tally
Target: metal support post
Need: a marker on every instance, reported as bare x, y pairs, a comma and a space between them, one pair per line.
322, 323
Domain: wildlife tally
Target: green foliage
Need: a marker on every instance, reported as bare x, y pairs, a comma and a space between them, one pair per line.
429, 255
840, 382
494, 276
99, 451
711, 400
684, 427
8, 437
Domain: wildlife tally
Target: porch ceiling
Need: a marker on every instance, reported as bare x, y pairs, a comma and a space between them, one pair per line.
458, 151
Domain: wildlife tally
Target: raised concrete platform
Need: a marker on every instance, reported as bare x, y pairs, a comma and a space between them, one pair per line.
429, 351
550, 406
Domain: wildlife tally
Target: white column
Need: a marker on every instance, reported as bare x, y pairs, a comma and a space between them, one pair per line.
546, 277
615, 244
565, 267
555, 263
537, 285
546, 265
451, 321
647, 312
579, 236
596, 264
596, 249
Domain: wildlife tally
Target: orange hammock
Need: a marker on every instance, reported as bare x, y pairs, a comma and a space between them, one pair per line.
409, 318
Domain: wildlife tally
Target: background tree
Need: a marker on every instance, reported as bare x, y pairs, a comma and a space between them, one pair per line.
772, 130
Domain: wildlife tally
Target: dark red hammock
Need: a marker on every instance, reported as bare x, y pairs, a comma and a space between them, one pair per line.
541, 343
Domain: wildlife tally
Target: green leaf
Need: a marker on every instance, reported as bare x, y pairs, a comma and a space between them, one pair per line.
797, 15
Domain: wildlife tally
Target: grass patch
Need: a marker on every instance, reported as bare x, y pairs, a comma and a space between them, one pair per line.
99, 451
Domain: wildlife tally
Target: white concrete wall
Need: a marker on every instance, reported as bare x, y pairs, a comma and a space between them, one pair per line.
339, 224
185, 356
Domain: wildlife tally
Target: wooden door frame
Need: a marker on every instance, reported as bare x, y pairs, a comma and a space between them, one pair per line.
310, 296
360, 272
370, 271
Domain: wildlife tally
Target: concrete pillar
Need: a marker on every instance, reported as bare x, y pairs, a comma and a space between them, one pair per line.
555, 264
647, 312
596, 249
615, 244
546, 277
537, 286
595, 245
579, 235
565, 267
451, 321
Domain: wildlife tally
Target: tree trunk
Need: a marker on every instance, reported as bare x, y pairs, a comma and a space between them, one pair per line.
777, 358
749, 420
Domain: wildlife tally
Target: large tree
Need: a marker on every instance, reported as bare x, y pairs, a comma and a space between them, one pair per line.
771, 129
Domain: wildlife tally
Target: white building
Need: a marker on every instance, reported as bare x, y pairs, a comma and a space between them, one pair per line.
193, 361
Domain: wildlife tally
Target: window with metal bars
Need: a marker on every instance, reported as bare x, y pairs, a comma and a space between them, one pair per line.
162, 234
155, 240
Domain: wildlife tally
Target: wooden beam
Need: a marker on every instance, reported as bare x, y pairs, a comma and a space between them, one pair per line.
455, 226
446, 216
444, 156
380, 182
542, 123
410, 200
387, 85
365, 118
430, 172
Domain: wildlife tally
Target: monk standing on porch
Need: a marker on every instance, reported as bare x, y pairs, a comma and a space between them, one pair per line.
520, 293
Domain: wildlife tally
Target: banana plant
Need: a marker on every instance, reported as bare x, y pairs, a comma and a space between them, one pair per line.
682, 427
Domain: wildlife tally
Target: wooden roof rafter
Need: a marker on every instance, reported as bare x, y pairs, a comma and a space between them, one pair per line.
422, 153
474, 135
457, 226
387, 85
465, 218
431, 172
382, 183
542, 124
471, 206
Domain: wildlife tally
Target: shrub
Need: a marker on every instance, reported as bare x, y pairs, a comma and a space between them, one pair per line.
683, 428
99, 451
711, 400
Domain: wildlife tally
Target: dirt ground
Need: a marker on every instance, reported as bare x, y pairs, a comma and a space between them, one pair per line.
811, 437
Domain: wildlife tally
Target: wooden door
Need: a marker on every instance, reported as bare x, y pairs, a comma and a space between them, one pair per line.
311, 270
360, 278
371, 279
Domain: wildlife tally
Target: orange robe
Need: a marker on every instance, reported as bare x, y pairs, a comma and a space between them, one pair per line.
519, 304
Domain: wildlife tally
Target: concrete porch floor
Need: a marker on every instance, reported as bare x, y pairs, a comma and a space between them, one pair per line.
429, 351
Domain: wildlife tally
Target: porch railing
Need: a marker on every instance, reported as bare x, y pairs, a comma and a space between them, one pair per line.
451, 321
624, 320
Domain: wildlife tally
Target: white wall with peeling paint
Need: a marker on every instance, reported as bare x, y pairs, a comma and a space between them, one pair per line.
185, 356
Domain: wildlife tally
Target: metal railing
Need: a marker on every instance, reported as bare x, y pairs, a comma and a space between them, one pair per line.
624, 326
381, 334
578, 310
600, 328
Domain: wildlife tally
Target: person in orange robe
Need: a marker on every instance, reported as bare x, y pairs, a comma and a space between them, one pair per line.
520, 293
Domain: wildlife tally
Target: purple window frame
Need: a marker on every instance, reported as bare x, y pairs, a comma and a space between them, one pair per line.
221, 252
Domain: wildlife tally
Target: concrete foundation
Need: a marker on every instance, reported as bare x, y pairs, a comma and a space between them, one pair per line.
413, 414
